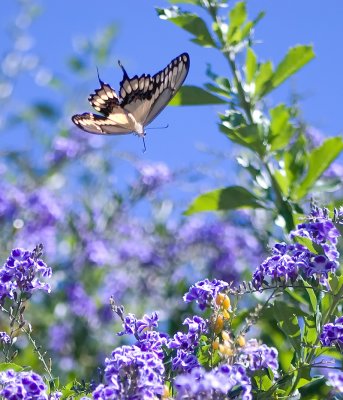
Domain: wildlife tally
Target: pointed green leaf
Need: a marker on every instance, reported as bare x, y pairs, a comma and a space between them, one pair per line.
295, 59
319, 160
229, 198
189, 22
250, 65
281, 130
193, 95
237, 17
263, 78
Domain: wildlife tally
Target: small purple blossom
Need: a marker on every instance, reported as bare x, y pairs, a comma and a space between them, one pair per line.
22, 385
132, 373
184, 361
200, 384
21, 271
4, 338
204, 292
63, 148
188, 341
332, 333
256, 356
335, 379
134, 326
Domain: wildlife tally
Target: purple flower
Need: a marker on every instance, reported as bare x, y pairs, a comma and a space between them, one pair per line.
134, 326
184, 361
335, 379
21, 271
321, 230
332, 333
188, 341
255, 356
22, 385
152, 341
132, 373
288, 260
204, 292
4, 338
81, 304
199, 384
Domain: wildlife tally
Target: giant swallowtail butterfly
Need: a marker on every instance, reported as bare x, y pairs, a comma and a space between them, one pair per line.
139, 102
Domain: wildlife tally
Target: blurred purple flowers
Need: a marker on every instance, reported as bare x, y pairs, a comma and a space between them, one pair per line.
152, 176
215, 384
335, 379
22, 271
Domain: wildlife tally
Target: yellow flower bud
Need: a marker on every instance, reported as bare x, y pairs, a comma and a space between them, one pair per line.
219, 324
241, 341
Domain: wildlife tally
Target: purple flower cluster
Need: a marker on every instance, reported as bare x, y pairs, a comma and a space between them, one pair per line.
133, 374
185, 344
255, 356
134, 326
24, 385
332, 333
335, 379
147, 339
204, 292
215, 384
288, 260
20, 272
321, 230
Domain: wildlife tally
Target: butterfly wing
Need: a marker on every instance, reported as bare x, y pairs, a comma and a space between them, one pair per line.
93, 123
115, 120
145, 97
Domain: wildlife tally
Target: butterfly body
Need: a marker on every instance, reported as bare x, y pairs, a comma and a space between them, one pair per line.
140, 100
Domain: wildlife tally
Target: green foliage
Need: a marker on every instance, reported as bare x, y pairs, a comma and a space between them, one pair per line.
223, 200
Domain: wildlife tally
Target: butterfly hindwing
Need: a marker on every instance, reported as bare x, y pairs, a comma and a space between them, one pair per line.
104, 99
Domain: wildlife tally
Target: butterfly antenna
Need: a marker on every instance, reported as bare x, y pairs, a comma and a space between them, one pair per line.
144, 148
159, 127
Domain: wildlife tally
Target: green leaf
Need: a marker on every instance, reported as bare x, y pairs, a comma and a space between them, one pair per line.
281, 130
233, 126
263, 78
229, 198
189, 22
218, 90
294, 60
250, 65
237, 17
6, 366
288, 322
193, 95
319, 160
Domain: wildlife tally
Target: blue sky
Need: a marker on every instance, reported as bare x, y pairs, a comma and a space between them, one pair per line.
145, 44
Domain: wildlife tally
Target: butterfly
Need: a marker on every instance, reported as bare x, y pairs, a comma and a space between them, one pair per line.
139, 102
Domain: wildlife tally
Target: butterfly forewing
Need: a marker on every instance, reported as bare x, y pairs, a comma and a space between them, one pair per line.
140, 100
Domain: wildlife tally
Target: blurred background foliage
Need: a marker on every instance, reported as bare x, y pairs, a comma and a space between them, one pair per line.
111, 223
